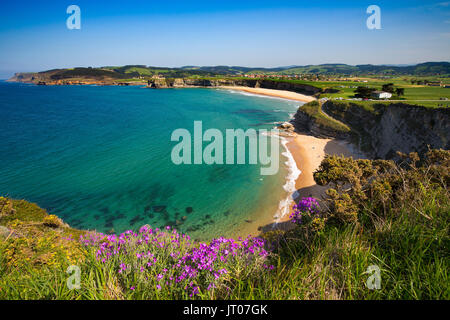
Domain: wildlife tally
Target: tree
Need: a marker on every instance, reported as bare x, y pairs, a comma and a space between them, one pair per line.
389, 87
400, 91
364, 92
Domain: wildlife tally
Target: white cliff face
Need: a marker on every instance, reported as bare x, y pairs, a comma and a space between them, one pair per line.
396, 127
385, 130
410, 129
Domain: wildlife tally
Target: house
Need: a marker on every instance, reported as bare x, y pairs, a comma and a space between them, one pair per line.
381, 95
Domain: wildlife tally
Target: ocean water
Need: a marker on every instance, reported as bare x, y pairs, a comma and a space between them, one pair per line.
100, 156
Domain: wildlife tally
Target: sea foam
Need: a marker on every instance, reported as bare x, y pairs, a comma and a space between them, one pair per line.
289, 186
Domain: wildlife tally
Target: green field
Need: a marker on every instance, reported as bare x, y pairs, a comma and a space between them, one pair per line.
428, 96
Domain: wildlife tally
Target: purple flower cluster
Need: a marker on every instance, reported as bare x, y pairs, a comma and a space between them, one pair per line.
305, 207
153, 258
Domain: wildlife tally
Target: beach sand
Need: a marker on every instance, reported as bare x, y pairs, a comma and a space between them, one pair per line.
274, 93
308, 152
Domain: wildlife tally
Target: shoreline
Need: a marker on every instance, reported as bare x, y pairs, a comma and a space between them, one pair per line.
304, 154
283, 94
307, 152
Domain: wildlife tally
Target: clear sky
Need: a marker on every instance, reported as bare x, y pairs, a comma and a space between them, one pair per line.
34, 36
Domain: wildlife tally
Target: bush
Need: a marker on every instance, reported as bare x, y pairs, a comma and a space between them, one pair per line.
6, 207
380, 186
52, 221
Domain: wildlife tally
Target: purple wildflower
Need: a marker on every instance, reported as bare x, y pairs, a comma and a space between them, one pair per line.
307, 206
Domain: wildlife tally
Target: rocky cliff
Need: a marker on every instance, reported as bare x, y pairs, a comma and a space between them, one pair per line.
380, 130
310, 119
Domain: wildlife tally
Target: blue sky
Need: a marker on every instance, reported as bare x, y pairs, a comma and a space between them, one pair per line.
34, 36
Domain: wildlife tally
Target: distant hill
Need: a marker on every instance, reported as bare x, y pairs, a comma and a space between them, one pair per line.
134, 71
424, 69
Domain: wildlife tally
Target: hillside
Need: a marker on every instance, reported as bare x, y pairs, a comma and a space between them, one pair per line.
423, 69
111, 73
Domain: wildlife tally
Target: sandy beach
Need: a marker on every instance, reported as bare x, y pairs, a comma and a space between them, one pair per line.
308, 152
274, 93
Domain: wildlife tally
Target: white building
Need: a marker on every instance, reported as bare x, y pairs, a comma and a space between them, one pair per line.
381, 95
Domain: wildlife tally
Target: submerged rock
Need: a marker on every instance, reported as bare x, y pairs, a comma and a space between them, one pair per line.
109, 224
120, 216
136, 219
193, 228
110, 219
159, 208
286, 126
189, 209
104, 210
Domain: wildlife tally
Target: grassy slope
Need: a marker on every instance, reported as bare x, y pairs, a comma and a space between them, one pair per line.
314, 110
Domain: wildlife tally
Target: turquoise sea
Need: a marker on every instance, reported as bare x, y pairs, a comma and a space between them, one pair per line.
99, 156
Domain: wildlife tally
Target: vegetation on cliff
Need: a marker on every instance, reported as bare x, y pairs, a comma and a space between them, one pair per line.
318, 117
377, 212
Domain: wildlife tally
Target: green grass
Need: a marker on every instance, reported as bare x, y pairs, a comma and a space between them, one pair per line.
414, 95
314, 110
369, 105
427, 93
